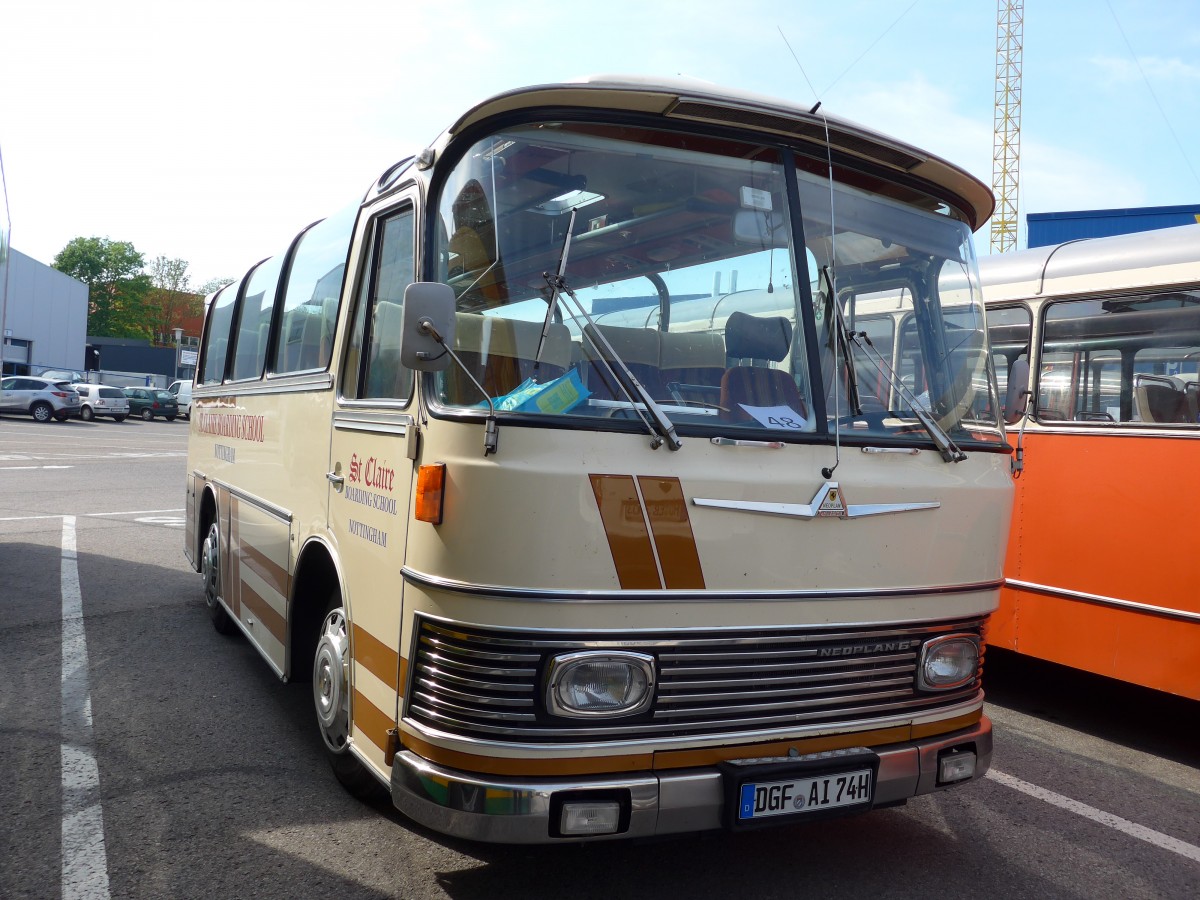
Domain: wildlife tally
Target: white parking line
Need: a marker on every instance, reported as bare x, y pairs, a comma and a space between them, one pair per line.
84, 860
1141, 832
100, 515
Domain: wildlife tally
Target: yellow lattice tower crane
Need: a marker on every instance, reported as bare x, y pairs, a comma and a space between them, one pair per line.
1006, 146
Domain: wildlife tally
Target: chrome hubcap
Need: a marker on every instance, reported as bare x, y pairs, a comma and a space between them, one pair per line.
210, 565
330, 677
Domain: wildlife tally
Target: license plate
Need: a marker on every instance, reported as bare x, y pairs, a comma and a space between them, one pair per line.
761, 800
778, 790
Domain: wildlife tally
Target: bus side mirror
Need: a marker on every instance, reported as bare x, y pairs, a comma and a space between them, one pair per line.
1017, 397
427, 326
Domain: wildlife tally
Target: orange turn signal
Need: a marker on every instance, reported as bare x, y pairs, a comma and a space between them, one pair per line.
431, 491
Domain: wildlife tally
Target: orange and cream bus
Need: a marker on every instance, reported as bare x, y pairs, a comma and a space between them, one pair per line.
1110, 330
546, 464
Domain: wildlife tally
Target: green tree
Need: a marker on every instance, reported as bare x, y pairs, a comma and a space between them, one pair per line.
213, 284
117, 286
170, 299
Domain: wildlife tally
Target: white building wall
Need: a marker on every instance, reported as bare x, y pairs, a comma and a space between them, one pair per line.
48, 309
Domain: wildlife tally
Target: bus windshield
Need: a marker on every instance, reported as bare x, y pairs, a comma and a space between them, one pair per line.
683, 272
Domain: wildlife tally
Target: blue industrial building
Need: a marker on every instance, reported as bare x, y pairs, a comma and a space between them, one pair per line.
1046, 229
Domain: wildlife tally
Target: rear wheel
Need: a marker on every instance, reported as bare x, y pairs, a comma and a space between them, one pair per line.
118, 418
147, 414
210, 569
331, 698
42, 412
86, 414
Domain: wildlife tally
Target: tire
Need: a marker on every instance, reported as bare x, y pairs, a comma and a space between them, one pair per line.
331, 700
42, 412
170, 418
86, 413
147, 414
118, 418
210, 569
61, 417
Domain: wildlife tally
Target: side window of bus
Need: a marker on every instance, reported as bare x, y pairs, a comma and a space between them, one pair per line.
1130, 359
377, 325
216, 337
1008, 334
254, 320
310, 301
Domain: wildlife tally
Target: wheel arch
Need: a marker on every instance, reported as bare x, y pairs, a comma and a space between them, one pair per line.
206, 514
317, 576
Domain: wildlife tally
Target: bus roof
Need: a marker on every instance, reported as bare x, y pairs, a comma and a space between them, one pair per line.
1157, 258
701, 101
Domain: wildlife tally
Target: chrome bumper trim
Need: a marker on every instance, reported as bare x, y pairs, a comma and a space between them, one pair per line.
429, 581
517, 811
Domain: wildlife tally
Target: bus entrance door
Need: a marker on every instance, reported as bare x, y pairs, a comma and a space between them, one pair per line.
370, 484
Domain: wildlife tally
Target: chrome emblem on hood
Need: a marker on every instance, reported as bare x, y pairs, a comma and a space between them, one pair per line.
829, 503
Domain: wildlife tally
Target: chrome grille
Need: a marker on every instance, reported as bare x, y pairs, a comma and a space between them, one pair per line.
488, 683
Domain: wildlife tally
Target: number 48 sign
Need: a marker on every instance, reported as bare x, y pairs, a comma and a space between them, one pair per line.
783, 418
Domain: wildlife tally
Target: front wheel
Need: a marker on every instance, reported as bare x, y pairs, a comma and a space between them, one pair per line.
118, 418
331, 698
147, 415
210, 569
86, 414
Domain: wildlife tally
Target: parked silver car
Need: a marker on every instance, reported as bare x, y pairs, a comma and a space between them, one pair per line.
101, 400
42, 398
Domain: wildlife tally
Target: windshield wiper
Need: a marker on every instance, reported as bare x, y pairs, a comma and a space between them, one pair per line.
949, 450
557, 284
852, 398
658, 425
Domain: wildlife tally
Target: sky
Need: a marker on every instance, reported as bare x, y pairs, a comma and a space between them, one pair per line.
214, 132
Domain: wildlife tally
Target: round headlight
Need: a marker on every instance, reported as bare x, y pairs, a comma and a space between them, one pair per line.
595, 683
948, 662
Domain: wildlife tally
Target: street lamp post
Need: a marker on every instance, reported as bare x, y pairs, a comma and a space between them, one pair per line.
178, 342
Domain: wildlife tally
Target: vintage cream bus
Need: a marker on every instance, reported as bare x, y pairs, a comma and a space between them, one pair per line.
1110, 329
561, 466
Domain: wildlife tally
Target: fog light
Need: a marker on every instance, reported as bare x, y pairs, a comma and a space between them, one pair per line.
956, 766
948, 662
594, 683
598, 817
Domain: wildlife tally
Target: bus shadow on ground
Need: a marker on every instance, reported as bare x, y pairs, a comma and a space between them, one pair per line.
1153, 722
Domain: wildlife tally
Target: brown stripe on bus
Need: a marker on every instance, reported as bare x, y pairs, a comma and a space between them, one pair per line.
229, 553
667, 510
263, 612
504, 765
625, 528
371, 722
375, 656
708, 756
267, 569
929, 729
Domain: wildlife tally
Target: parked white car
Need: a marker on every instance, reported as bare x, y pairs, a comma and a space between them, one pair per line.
101, 400
183, 393
42, 398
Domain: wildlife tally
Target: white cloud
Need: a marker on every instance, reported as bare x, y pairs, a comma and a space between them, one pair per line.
1171, 71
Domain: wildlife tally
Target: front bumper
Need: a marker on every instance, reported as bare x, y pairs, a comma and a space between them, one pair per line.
487, 808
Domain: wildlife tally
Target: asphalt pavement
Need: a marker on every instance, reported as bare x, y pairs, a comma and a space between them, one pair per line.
143, 755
